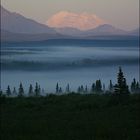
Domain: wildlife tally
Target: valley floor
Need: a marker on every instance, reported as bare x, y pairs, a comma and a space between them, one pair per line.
71, 117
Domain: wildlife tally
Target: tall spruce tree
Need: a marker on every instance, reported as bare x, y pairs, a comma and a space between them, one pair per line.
125, 87
37, 90
8, 91
98, 86
93, 88
79, 89
82, 89
57, 88
67, 88
21, 90
121, 87
30, 92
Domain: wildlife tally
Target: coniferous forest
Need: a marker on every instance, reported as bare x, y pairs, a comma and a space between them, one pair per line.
121, 87
98, 113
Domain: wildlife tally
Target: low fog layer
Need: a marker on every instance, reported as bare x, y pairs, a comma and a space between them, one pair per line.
67, 62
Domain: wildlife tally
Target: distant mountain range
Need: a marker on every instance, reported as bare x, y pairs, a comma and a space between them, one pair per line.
84, 24
15, 27
101, 30
16, 23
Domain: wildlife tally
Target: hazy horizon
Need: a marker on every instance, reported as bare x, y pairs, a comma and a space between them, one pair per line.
113, 12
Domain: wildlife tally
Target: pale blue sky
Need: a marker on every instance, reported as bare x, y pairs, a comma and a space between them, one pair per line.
120, 13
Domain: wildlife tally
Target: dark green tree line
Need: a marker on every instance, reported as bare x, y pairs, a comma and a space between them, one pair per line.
120, 87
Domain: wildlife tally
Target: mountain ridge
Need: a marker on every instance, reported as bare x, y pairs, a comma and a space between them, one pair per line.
11, 31
17, 23
102, 30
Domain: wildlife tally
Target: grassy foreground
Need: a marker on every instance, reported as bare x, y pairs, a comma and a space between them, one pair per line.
71, 117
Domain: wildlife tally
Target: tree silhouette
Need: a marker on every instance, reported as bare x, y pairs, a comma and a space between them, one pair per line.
8, 91
82, 88
79, 89
14, 91
57, 88
30, 92
98, 86
60, 90
93, 88
67, 88
21, 90
125, 87
121, 86
37, 92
